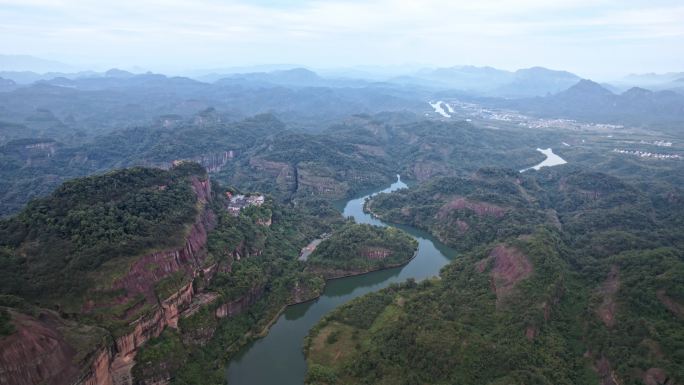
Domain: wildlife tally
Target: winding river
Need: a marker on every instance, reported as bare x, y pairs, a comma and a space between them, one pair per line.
277, 359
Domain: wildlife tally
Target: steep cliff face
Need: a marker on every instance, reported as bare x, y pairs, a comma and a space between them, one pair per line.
202, 188
119, 365
153, 324
46, 349
154, 291
99, 372
141, 278
151, 268
243, 251
239, 305
174, 305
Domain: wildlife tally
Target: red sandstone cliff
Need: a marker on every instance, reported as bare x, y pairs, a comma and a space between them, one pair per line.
507, 266
239, 305
46, 349
479, 208
151, 268
141, 278
39, 353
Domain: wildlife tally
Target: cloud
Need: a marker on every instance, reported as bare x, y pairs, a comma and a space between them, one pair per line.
327, 33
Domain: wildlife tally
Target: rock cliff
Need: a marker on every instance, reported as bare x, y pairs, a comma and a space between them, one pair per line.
151, 268
141, 278
239, 305
46, 349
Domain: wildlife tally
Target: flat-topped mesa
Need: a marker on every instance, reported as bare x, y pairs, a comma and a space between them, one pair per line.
142, 278
157, 286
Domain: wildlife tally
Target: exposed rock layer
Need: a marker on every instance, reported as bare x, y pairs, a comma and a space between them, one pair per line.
39, 353
508, 267
35, 353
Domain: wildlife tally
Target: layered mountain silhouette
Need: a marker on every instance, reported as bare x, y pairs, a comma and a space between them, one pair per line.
489, 81
590, 101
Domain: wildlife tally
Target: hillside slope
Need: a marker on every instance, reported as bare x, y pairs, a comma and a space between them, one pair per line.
584, 288
104, 265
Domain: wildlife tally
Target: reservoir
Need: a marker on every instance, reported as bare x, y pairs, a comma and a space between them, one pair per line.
551, 160
277, 359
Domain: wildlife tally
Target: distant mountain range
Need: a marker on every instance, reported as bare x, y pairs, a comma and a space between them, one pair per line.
117, 98
484, 81
7, 84
590, 101
300, 92
488, 81
471, 80
295, 77
655, 82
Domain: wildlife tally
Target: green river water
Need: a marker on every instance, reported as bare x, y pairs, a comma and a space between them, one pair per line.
277, 359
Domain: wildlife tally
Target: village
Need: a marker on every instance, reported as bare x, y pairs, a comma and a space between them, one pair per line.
659, 143
475, 111
646, 154
238, 202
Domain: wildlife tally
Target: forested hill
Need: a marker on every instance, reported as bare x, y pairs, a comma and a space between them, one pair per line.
84, 270
94, 271
34, 167
52, 246
589, 101
262, 153
569, 277
361, 248
468, 211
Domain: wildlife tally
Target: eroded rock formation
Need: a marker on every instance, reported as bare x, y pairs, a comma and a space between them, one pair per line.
49, 350
479, 208
239, 305
508, 266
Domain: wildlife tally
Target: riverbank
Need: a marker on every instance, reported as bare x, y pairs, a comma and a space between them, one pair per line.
266, 329
361, 248
278, 357
333, 275
328, 276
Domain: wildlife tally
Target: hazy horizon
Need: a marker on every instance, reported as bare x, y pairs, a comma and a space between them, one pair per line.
353, 70
602, 39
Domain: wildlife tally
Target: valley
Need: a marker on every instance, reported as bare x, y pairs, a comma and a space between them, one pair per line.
167, 230
279, 357
536, 276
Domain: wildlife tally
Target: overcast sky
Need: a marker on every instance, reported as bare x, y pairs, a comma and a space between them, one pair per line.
594, 38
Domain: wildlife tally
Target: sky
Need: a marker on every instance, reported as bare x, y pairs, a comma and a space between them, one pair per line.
600, 39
